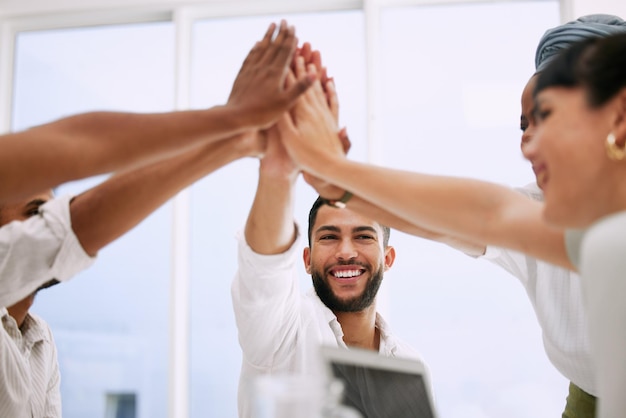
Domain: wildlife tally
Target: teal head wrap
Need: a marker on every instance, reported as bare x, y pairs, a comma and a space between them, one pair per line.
561, 37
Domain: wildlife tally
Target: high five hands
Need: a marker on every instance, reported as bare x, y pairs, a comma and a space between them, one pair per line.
294, 103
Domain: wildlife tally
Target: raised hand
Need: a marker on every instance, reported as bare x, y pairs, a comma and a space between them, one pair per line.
259, 91
314, 57
311, 131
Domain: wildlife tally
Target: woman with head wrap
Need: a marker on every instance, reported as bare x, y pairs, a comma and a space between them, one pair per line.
477, 217
580, 152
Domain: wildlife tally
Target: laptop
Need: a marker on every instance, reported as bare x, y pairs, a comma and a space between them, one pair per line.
380, 386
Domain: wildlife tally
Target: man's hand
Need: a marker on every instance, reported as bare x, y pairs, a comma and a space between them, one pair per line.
259, 91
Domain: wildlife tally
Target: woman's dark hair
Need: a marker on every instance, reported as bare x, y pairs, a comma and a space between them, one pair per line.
598, 65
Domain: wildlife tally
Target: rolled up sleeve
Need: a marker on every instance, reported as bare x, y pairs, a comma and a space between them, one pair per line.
38, 250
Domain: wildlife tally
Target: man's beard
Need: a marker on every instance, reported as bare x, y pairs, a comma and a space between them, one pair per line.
356, 304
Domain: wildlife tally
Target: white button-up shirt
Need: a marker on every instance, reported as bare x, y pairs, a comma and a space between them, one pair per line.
281, 329
556, 297
33, 355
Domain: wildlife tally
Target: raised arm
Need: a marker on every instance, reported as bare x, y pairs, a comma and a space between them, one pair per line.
270, 227
476, 212
265, 289
100, 142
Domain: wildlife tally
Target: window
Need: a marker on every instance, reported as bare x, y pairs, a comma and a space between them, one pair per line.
452, 77
446, 101
123, 405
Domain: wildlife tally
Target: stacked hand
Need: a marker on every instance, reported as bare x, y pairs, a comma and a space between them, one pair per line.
259, 91
276, 161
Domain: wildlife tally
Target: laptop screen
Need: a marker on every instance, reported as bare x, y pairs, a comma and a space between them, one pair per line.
379, 386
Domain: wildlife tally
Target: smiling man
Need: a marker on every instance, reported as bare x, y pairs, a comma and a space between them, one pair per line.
281, 328
346, 258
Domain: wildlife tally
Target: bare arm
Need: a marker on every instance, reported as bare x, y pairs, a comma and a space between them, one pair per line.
389, 219
100, 142
469, 210
270, 227
107, 211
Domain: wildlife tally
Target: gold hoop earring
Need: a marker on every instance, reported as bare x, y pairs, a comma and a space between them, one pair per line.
614, 151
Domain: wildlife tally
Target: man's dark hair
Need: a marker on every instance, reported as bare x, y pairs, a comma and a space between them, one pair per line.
313, 217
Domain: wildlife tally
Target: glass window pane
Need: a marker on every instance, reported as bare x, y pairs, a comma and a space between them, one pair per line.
111, 322
453, 77
220, 203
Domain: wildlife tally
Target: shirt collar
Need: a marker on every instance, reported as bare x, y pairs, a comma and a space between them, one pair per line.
33, 330
388, 344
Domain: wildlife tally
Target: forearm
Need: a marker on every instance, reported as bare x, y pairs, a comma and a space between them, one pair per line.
100, 142
386, 218
107, 211
270, 227
471, 211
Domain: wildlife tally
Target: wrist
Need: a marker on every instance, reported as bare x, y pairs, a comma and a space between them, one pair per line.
237, 117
